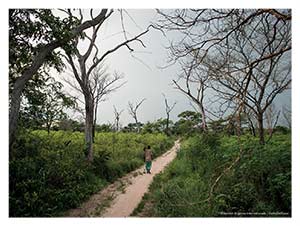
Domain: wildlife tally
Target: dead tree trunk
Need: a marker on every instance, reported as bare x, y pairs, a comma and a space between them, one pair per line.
133, 112
195, 75
117, 120
168, 111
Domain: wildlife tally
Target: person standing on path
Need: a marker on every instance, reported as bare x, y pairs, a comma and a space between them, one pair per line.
148, 158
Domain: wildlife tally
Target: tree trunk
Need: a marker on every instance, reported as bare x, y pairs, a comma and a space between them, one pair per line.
252, 128
94, 128
48, 128
117, 125
14, 113
137, 124
167, 126
202, 112
89, 123
95, 120
19, 86
261, 128
204, 126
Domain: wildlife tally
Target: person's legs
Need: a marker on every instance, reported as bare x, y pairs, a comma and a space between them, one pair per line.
148, 166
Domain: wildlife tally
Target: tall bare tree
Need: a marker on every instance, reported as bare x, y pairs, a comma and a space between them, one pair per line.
101, 84
117, 118
247, 51
132, 109
168, 109
195, 83
261, 81
87, 63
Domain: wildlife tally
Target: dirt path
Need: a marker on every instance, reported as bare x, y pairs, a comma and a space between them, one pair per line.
123, 196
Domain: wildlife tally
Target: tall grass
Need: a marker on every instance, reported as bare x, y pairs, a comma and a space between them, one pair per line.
50, 174
259, 184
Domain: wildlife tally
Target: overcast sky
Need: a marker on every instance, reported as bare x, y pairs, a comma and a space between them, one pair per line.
144, 76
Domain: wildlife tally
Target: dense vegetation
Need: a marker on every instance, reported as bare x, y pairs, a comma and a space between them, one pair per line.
50, 174
258, 184
233, 64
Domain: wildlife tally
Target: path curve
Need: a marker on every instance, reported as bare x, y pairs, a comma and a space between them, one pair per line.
126, 193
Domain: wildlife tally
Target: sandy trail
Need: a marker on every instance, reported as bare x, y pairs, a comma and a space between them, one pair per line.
122, 197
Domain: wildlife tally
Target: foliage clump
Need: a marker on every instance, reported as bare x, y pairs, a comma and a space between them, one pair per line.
49, 173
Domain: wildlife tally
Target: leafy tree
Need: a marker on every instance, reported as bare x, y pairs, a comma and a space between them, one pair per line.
282, 129
132, 127
104, 128
217, 126
159, 126
189, 122
46, 105
29, 31
70, 125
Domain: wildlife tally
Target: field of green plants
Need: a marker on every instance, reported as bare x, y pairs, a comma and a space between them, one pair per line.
49, 173
216, 176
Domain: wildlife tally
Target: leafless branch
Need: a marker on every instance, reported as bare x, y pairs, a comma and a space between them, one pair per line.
132, 110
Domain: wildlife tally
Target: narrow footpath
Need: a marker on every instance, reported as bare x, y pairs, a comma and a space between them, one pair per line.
123, 196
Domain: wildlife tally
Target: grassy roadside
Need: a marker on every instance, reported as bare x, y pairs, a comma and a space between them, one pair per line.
49, 173
259, 184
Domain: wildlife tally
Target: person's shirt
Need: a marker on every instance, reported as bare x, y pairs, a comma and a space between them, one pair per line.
148, 155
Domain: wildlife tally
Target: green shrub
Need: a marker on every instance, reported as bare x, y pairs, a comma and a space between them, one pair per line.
49, 174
